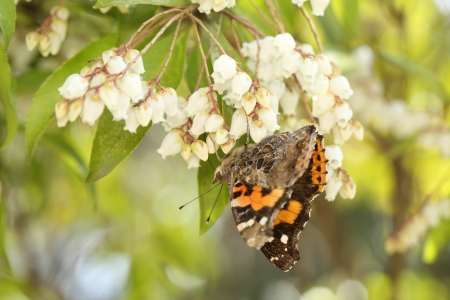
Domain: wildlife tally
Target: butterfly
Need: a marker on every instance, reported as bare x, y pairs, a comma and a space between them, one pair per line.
271, 185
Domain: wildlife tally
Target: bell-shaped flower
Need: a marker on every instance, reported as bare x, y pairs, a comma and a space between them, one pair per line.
222, 136
334, 184
171, 144
278, 87
109, 95
60, 12
108, 54
115, 65
348, 190
55, 42
222, 87
130, 84
239, 124
299, 2
324, 65
322, 104
334, 156
308, 68
62, 112
267, 49
262, 97
32, 39
289, 64
224, 69
138, 66
171, 100
319, 6
86, 70
132, 122
198, 101
283, 44
341, 87
200, 149
248, 102
326, 121
274, 103
97, 80
121, 110
257, 131
158, 107
59, 27
144, 113
241, 83
180, 118
198, 124
268, 117
358, 131
76, 106
193, 161
93, 108
250, 49
44, 44
74, 87
226, 148
186, 151
343, 114
214, 123
289, 101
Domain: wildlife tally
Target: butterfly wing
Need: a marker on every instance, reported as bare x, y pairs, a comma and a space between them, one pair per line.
254, 209
281, 248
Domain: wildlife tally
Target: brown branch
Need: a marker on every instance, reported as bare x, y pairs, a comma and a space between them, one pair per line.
209, 33
313, 28
175, 35
275, 16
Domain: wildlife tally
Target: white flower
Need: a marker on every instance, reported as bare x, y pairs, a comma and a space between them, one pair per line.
327, 121
226, 148
158, 106
60, 12
193, 161
262, 97
55, 43
59, 27
343, 114
221, 87
93, 108
358, 131
210, 142
268, 117
322, 104
144, 113
44, 45
250, 49
32, 39
132, 120
198, 101
214, 123
198, 124
138, 66
248, 102
348, 190
239, 124
171, 144
289, 64
109, 95
74, 87
180, 116
274, 103
257, 131
186, 151
121, 110
334, 184
319, 6
278, 87
341, 87
107, 54
62, 112
267, 49
171, 100
289, 101
241, 83
308, 69
283, 44
324, 65
130, 84
299, 2
224, 69
334, 156
321, 85
222, 136
115, 65
200, 149
76, 106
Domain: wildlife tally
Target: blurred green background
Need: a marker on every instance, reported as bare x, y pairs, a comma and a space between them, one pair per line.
123, 237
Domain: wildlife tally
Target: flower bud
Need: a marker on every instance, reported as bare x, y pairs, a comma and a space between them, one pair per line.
144, 114
226, 148
158, 106
238, 124
222, 136
130, 84
341, 87
93, 108
198, 124
32, 40
75, 109
262, 97
248, 102
186, 151
171, 100
333, 186
224, 69
214, 123
115, 65
74, 87
138, 66
200, 149
198, 101
319, 6
171, 144
334, 156
257, 131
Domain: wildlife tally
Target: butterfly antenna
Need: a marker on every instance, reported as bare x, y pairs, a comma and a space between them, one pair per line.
248, 128
179, 208
210, 163
209, 217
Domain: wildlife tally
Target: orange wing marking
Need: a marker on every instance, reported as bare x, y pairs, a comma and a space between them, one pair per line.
289, 214
256, 198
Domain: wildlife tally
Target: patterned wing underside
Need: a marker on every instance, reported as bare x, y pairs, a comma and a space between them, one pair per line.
255, 209
281, 248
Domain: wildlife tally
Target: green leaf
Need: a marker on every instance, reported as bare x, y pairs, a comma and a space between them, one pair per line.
111, 145
107, 3
194, 65
156, 56
7, 20
41, 111
205, 176
9, 112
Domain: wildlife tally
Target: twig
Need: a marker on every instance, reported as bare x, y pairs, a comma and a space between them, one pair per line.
208, 32
175, 34
262, 14
313, 28
244, 23
275, 16
236, 39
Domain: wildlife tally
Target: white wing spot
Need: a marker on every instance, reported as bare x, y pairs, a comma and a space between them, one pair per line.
284, 239
250, 222
263, 221
270, 239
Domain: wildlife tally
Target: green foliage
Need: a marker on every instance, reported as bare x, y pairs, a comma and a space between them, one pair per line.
111, 145
9, 112
7, 21
107, 3
41, 111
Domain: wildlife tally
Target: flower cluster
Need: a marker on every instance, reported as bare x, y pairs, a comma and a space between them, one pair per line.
338, 180
49, 37
292, 72
113, 83
217, 5
318, 6
414, 228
